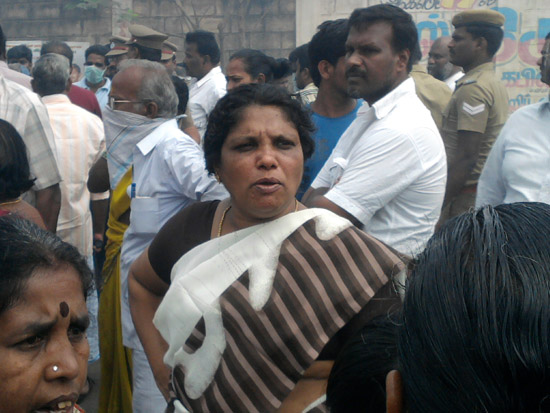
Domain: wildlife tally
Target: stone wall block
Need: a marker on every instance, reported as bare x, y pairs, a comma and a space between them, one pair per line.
288, 40
164, 8
255, 24
174, 26
15, 10
141, 7
265, 40
281, 23
287, 7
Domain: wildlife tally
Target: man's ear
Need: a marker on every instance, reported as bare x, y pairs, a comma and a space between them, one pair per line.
69, 84
151, 110
481, 44
403, 59
260, 78
394, 393
325, 69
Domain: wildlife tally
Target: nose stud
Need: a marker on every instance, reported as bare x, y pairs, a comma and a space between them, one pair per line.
55, 368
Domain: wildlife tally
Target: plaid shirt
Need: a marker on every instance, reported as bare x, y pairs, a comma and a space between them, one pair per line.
24, 110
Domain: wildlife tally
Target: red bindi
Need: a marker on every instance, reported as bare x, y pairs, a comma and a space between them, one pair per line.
63, 309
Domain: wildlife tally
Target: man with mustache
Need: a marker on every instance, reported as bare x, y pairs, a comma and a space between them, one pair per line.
387, 172
478, 108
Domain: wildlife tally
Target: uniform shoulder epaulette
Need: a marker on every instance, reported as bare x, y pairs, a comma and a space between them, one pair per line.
466, 82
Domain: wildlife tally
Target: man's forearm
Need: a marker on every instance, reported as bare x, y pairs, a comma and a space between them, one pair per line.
48, 203
99, 215
457, 175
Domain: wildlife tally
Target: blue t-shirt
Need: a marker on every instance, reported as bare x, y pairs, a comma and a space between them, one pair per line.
328, 133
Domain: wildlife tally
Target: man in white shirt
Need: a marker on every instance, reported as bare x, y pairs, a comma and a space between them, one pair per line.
9, 74
439, 64
517, 169
202, 58
168, 175
80, 141
387, 173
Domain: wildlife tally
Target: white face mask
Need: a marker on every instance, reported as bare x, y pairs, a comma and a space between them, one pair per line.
123, 130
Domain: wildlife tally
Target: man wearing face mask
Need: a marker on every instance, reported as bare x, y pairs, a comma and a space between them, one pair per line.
94, 72
155, 170
517, 167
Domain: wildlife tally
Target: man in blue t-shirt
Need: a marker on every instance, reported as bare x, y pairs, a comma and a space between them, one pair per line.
333, 110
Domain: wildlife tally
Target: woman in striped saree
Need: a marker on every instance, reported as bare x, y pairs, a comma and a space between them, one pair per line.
252, 318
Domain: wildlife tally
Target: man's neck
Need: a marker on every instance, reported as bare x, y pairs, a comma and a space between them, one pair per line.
476, 63
95, 87
208, 70
332, 104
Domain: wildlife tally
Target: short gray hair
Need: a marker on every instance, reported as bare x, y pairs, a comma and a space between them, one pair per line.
51, 73
156, 86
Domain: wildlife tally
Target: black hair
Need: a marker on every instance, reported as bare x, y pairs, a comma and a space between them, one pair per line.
405, 35
183, 93
15, 175
475, 334
329, 43
357, 381
98, 49
26, 248
256, 62
547, 36
416, 54
282, 69
58, 47
20, 51
227, 113
148, 53
206, 44
301, 56
492, 34
2, 42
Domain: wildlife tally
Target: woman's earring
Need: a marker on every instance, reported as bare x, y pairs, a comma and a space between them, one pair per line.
217, 177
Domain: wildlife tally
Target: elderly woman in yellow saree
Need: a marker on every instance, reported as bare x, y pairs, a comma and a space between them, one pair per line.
255, 295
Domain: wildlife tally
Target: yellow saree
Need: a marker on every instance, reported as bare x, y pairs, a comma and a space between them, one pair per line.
116, 360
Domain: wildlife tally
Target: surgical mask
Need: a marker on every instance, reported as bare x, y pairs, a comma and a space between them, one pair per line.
25, 70
94, 75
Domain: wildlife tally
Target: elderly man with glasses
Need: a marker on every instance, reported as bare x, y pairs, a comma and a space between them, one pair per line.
94, 74
162, 170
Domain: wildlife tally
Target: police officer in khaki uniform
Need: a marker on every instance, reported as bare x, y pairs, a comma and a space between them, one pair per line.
433, 93
478, 108
145, 43
118, 53
168, 58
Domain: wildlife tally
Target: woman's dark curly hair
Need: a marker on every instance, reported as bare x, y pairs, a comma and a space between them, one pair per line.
227, 114
14, 165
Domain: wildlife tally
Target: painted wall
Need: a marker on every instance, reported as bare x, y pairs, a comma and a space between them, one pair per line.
527, 23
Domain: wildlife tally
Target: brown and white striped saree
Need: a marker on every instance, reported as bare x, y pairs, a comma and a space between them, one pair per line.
246, 314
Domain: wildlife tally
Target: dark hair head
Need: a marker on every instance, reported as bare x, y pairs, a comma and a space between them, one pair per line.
357, 381
405, 35
57, 47
301, 55
206, 44
2, 43
148, 53
329, 43
21, 51
98, 49
15, 175
282, 69
547, 36
227, 113
183, 93
492, 34
256, 62
476, 318
25, 248
416, 55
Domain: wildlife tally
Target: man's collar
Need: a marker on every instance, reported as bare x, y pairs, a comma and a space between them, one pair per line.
208, 76
384, 105
148, 143
57, 98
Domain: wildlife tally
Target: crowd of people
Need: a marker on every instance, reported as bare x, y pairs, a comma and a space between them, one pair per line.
344, 229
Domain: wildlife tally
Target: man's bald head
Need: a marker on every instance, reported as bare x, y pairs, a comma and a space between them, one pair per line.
439, 65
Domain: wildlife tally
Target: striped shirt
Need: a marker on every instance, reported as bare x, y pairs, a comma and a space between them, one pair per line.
80, 141
24, 110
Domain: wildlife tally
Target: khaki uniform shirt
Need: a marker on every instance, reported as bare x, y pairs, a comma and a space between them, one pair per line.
478, 104
433, 93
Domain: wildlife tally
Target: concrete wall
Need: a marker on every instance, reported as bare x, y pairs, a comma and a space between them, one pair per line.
527, 23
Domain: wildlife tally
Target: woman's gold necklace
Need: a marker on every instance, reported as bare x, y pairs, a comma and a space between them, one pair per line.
220, 226
11, 202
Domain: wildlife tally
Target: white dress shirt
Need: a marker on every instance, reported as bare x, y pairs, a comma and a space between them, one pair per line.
169, 174
15, 76
389, 170
80, 141
203, 96
518, 166
451, 81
